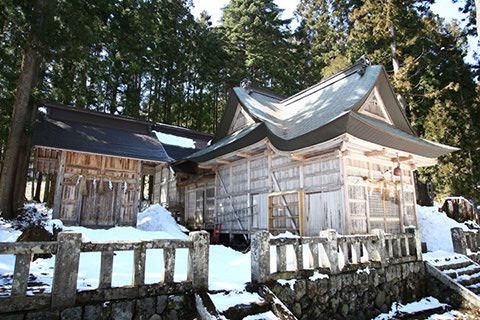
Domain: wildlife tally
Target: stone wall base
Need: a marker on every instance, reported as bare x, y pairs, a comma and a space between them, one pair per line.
355, 295
164, 307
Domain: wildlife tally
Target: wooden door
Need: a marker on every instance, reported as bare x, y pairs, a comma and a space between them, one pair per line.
98, 208
325, 210
70, 201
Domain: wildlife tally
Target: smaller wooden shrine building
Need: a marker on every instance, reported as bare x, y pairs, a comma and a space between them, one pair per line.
99, 161
338, 155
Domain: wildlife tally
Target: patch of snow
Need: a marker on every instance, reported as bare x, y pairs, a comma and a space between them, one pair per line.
224, 301
365, 270
424, 304
284, 282
317, 276
435, 228
264, 316
175, 140
286, 234
157, 218
440, 257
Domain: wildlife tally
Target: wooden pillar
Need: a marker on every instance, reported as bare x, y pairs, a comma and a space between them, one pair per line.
38, 189
151, 179
57, 198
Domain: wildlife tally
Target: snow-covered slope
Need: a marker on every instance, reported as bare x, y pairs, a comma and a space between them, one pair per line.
435, 228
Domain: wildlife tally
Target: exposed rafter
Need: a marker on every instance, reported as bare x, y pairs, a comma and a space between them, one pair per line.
375, 153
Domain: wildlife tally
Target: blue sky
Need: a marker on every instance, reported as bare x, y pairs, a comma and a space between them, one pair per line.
444, 8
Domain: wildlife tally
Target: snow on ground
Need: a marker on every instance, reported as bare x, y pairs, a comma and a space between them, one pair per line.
424, 304
435, 228
229, 269
224, 301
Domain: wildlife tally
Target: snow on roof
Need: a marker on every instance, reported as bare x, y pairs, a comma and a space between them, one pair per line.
175, 140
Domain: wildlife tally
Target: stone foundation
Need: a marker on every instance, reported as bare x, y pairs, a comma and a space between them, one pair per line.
354, 295
164, 307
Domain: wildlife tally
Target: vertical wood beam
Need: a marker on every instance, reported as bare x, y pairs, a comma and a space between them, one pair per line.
80, 200
249, 195
346, 201
300, 213
118, 202
57, 198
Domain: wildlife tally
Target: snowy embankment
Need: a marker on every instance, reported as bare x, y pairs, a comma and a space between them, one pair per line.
229, 269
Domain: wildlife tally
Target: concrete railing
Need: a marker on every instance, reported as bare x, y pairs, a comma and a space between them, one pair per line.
465, 242
67, 251
331, 253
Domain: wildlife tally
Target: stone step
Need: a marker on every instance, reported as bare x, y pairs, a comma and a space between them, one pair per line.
269, 315
242, 311
422, 314
465, 271
475, 290
474, 279
454, 266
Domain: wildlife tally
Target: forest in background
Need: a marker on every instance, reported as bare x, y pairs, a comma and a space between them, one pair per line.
153, 60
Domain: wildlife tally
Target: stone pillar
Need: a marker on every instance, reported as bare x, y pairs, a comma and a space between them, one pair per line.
331, 249
417, 241
198, 260
64, 285
459, 240
260, 256
381, 253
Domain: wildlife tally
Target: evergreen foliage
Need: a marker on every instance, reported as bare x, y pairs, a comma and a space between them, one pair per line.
152, 60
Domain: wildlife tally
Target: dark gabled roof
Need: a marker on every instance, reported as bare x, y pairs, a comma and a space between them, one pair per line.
68, 128
105, 140
320, 113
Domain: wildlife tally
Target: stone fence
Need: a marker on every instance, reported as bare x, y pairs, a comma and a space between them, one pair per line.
67, 251
331, 253
465, 242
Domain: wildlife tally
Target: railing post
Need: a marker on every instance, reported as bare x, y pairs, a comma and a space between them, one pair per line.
260, 257
331, 249
198, 260
417, 241
381, 254
64, 285
459, 240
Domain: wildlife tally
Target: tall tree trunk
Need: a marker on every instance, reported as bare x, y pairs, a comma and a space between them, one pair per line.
17, 152
16, 144
477, 7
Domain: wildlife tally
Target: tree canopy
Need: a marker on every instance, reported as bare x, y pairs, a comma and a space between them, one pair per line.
153, 60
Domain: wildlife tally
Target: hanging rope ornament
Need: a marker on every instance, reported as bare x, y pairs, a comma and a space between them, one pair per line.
100, 186
84, 188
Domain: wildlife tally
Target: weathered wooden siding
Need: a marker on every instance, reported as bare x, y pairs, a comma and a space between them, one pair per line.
165, 190
373, 204
99, 190
242, 188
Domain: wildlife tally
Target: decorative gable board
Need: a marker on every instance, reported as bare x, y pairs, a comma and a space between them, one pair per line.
240, 120
375, 107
